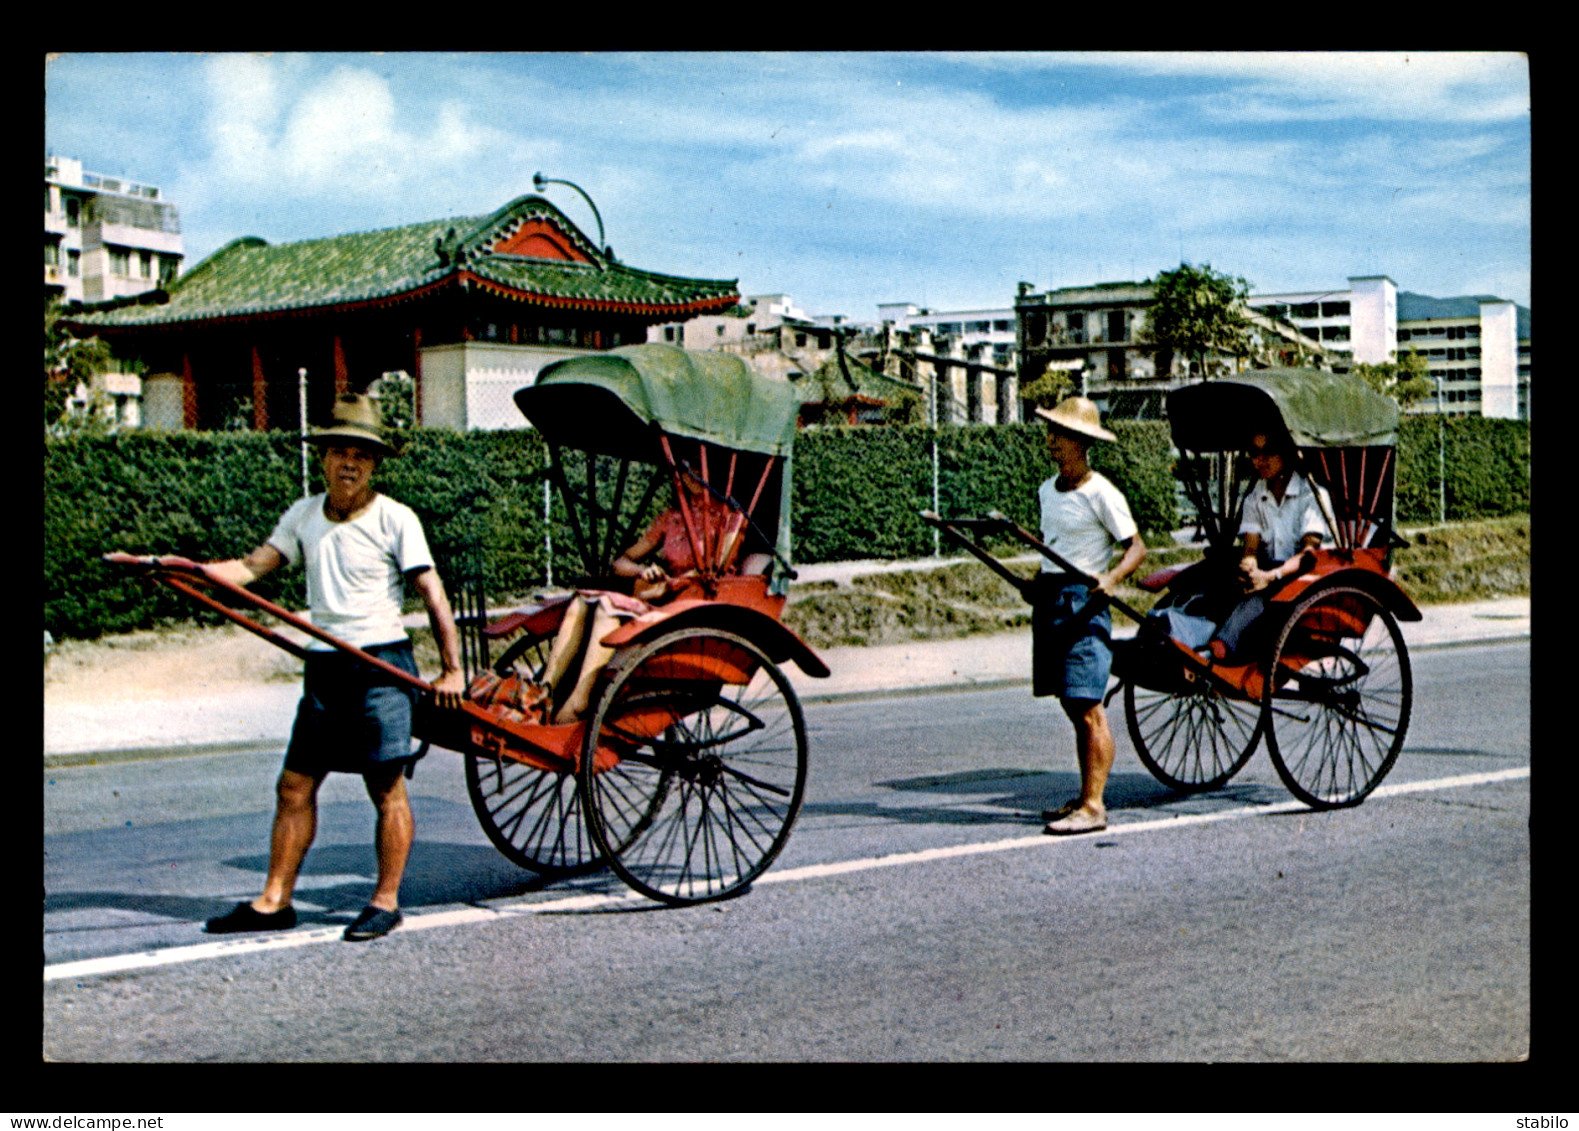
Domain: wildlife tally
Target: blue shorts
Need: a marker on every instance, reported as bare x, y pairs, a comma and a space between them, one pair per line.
353, 718
1069, 663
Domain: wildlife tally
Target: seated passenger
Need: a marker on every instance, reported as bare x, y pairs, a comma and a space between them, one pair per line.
1284, 518
654, 583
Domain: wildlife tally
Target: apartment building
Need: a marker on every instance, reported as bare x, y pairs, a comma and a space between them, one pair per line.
105, 237
1097, 334
1477, 347
995, 327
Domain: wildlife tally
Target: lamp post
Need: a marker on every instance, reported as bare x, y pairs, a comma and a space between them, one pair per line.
1441, 458
301, 409
540, 183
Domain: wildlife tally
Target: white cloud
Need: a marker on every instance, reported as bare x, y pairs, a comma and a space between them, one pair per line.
343, 136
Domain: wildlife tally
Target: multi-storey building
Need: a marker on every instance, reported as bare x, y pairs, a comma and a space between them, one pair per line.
1477, 347
105, 237
1096, 333
1477, 350
994, 328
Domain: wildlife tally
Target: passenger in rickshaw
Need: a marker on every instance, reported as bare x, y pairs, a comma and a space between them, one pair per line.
1283, 520
653, 583
1085, 519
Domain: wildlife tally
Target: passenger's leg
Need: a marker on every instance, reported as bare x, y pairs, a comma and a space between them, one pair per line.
598, 655
566, 641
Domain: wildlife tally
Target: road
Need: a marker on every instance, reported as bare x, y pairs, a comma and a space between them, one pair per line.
1396, 931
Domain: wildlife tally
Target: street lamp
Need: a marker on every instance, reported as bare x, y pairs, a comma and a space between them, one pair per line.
540, 182
1441, 458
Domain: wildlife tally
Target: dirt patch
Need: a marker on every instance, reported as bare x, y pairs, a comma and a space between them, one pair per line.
162, 664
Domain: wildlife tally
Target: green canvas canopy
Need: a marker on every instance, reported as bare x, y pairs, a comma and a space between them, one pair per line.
1318, 409
619, 402
609, 402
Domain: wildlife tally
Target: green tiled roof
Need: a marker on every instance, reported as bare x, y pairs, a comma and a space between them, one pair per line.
249, 277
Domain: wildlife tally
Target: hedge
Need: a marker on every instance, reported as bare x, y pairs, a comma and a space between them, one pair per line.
856, 494
1487, 464
858, 491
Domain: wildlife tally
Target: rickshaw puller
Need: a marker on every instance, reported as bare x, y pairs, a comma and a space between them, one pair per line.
1085, 518
357, 547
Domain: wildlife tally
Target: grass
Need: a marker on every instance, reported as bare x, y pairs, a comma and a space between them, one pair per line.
1458, 562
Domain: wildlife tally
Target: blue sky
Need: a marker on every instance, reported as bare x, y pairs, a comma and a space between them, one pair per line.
847, 180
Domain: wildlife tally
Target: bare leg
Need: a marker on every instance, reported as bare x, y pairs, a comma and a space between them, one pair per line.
598, 655
566, 641
1094, 747
393, 833
295, 824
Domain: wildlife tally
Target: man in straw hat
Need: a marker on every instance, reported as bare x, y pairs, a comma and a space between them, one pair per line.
358, 548
1084, 519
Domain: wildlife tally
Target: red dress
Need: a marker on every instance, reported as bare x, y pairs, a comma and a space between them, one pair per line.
713, 522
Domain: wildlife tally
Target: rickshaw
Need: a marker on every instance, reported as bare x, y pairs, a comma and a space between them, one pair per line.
688, 770
1327, 682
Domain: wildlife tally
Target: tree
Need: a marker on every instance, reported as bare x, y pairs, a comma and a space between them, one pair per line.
68, 362
1198, 311
1048, 389
397, 400
1406, 380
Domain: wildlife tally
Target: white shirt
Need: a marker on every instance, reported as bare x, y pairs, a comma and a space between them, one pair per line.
355, 569
1282, 525
1086, 525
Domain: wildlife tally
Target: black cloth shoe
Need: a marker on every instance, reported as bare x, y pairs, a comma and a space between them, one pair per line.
245, 917
372, 923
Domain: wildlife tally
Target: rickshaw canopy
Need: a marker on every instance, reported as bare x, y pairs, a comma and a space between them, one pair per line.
610, 402
1318, 409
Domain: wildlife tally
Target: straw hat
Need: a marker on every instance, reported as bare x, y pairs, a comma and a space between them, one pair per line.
356, 421
1077, 415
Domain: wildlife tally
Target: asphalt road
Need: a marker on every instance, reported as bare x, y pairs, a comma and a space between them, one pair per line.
1396, 931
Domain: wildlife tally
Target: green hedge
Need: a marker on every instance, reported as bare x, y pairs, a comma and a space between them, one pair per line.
1487, 464
856, 494
857, 491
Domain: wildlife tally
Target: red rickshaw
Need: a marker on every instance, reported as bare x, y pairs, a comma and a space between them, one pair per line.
686, 774
1329, 684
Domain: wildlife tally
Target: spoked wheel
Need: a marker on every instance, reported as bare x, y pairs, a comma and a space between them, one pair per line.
533, 816
1192, 738
1336, 707
711, 745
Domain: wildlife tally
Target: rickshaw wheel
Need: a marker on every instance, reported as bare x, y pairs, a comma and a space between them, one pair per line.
711, 771
1191, 737
1336, 703
531, 815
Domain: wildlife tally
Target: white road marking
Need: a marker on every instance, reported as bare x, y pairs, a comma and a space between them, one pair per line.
252, 944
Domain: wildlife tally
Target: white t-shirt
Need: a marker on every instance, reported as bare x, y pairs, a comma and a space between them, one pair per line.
355, 569
1086, 525
1282, 525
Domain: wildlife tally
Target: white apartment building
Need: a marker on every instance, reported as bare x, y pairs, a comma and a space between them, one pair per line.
1477, 347
995, 327
105, 237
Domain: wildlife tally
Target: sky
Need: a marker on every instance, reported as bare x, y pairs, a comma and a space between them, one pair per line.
851, 179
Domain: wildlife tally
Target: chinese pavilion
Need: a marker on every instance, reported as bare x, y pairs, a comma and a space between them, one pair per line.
454, 303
